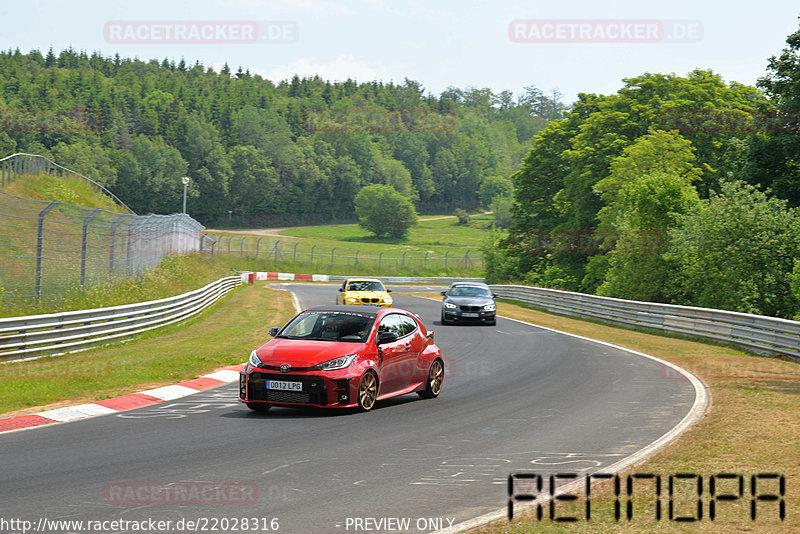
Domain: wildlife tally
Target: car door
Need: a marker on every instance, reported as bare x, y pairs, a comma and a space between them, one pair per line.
414, 343
392, 355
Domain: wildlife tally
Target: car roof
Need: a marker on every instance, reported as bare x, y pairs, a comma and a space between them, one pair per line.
339, 308
359, 279
473, 284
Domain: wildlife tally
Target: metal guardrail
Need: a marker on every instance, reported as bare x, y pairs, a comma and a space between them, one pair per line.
757, 333
59, 333
21, 163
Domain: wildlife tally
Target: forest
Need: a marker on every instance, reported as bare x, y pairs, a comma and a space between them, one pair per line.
258, 152
676, 189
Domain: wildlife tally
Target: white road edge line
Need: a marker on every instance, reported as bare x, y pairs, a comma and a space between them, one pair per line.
698, 410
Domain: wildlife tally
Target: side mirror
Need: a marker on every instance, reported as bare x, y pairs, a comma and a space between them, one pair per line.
388, 290
341, 289
495, 296
387, 337
274, 331
444, 293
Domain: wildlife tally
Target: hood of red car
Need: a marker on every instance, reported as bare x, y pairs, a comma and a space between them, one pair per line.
299, 353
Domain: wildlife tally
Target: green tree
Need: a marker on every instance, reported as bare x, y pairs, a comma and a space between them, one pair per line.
89, 159
737, 252
501, 208
774, 158
150, 177
493, 186
384, 212
646, 209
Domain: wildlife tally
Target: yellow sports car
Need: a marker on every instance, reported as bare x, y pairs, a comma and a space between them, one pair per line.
364, 292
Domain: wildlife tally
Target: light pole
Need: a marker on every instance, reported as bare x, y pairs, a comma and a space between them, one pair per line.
185, 181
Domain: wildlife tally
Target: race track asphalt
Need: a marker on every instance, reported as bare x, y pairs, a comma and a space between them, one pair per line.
516, 398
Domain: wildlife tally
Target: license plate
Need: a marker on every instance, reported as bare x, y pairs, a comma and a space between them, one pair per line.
284, 386
469, 314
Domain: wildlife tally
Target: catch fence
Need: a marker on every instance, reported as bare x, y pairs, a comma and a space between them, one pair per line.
47, 247
280, 252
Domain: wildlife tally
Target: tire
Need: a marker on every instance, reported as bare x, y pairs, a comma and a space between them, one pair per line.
444, 321
433, 386
493, 323
261, 408
367, 391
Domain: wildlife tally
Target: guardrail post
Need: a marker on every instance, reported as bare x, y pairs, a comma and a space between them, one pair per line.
39, 243
84, 240
332, 251
229, 245
312, 254
356, 263
426, 259
258, 244
404, 258
380, 257
294, 253
445, 259
241, 246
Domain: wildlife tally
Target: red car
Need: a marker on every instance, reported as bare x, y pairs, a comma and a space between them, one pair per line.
341, 357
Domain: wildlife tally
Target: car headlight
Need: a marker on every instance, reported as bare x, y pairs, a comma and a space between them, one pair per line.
490, 307
351, 299
449, 306
254, 361
336, 363
386, 300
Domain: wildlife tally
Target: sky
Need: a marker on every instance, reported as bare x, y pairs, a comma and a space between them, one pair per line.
573, 47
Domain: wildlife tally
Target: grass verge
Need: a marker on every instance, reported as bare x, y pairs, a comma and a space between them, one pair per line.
221, 336
752, 427
173, 276
69, 189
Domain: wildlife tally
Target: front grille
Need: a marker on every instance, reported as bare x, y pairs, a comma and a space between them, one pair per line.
470, 308
314, 391
370, 301
286, 396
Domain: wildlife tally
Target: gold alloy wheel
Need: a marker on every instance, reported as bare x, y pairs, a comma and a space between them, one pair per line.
435, 377
367, 391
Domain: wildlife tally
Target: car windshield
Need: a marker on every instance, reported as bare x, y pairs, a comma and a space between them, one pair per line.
329, 326
470, 291
364, 285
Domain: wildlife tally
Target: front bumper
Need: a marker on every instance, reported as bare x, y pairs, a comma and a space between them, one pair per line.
369, 302
457, 315
322, 391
